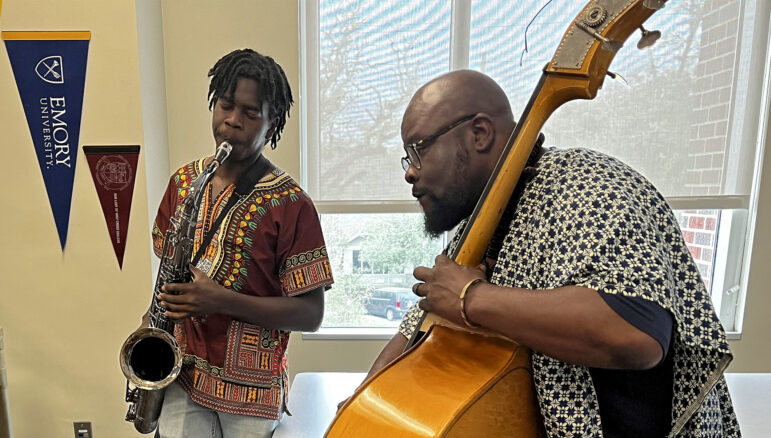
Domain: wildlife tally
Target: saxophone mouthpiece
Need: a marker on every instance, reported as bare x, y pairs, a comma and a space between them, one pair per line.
223, 151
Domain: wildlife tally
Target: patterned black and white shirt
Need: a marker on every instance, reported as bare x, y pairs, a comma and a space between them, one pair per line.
587, 219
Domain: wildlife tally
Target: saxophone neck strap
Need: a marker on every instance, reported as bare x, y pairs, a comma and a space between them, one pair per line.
244, 186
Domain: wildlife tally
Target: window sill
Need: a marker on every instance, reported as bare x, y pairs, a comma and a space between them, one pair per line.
733, 336
355, 334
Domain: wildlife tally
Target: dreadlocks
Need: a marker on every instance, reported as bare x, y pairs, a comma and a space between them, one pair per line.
270, 78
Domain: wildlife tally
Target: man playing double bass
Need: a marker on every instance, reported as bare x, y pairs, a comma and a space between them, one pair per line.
587, 268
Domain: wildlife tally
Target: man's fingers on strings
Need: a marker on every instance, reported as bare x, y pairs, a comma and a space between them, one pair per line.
421, 273
441, 259
416, 289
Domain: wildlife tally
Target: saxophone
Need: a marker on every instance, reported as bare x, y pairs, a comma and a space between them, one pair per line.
150, 357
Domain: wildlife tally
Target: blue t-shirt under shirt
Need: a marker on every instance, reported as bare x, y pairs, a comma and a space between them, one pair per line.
637, 403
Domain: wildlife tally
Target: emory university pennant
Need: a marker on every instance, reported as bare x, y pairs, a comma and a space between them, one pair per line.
114, 169
50, 72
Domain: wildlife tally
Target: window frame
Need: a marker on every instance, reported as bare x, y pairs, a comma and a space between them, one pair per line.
738, 212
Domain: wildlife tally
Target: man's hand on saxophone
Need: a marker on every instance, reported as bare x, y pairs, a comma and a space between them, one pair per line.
201, 297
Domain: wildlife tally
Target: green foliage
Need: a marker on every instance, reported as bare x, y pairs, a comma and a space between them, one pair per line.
392, 243
398, 244
345, 301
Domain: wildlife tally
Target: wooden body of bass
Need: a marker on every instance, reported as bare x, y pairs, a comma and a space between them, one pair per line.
452, 383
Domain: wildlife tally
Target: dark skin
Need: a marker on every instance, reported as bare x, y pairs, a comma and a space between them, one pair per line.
238, 118
203, 296
569, 323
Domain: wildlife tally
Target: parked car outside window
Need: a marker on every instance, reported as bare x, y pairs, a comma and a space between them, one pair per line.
390, 302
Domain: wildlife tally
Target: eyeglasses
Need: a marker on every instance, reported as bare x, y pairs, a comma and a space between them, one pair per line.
411, 149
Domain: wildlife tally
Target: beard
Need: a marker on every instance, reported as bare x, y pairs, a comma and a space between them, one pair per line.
447, 213
443, 214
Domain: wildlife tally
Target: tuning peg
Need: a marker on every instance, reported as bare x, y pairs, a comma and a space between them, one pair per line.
648, 38
617, 77
609, 45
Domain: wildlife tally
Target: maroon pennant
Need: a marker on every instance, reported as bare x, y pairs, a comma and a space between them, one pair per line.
114, 169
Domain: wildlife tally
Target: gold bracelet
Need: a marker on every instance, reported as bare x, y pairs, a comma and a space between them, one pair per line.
463, 293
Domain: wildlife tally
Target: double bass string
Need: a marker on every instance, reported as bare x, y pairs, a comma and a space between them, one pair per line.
522, 55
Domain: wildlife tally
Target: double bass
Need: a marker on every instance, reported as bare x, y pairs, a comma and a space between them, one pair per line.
461, 382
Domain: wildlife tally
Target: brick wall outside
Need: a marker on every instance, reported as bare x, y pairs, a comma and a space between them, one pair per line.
699, 229
708, 136
711, 96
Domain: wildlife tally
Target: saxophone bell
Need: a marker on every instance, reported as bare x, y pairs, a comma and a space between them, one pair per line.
150, 358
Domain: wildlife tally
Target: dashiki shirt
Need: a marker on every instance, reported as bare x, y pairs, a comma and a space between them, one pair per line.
587, 219
269, 244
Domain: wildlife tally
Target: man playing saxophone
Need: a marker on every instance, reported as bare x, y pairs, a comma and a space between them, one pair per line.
261, 271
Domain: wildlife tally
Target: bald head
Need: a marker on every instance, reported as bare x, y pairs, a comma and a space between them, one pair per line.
457, 93
467, 120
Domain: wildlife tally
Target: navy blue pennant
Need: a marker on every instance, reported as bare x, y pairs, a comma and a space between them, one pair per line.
50, 73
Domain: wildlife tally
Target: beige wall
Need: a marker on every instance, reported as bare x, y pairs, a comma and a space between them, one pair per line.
196, 34
66, 314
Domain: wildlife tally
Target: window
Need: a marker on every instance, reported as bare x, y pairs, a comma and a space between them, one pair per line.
688, 120
371, 255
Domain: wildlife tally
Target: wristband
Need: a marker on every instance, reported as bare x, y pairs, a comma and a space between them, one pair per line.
463, 293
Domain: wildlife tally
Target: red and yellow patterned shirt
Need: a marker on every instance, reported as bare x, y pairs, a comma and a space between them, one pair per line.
269, 244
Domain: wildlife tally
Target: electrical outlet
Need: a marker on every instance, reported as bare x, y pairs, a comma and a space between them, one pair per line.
83, 429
